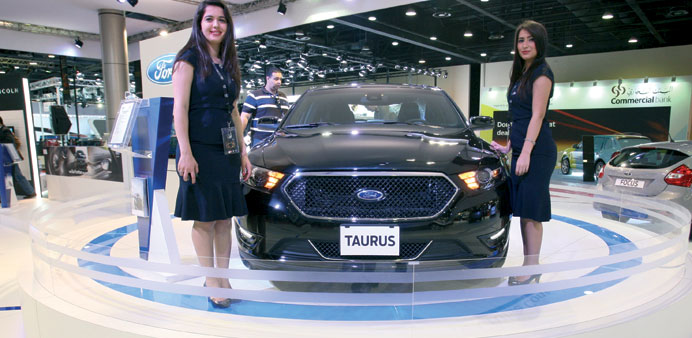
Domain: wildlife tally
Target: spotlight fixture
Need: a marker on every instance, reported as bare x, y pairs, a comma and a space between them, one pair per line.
607, 16
632, 40
595, 83
163, 32
445, 74
263, 43
571, 84
330, 26
78, 43
395, 43
372, 18
411, 12
468, 33
132, 3
646, 79
433, 38
673, 79
421, 61
441, 14
569, 45
448, 58
282, 8
484, 54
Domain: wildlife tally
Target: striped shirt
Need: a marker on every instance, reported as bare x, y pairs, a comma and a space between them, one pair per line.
260, 103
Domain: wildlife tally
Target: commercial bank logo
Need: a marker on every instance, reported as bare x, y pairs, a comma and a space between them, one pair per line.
368, 195
618, 90
160, 71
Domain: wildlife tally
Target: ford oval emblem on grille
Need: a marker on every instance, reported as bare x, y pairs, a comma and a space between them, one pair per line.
370, 195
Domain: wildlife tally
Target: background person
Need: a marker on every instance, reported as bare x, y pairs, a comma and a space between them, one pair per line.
206, 80
21, 184
266, 101
534, 152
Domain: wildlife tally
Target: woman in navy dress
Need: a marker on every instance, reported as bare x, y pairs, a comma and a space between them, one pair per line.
534, 152
206, 82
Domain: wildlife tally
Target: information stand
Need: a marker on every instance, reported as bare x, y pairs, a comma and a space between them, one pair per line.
146, 125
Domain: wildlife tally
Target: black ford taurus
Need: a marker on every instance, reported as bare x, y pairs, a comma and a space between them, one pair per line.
373, 173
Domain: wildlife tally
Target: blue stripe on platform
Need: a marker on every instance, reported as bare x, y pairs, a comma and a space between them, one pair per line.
616, 244
10, 308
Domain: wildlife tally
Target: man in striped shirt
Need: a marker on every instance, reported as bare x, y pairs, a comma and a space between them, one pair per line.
264, 102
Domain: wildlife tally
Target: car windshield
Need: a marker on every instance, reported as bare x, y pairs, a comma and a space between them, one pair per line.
647, 158
375, 105
632, 141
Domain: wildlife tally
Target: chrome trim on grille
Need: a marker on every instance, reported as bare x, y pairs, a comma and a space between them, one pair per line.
368, 173
373, 260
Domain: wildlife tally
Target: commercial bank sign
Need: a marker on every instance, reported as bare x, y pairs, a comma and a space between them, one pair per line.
160, 71
642, 94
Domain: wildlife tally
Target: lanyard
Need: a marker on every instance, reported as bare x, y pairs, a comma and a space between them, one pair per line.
225, 93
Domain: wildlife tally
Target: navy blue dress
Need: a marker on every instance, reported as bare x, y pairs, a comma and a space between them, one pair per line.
217, 193
529, 193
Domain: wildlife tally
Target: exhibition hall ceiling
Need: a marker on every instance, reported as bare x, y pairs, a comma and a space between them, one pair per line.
440, 34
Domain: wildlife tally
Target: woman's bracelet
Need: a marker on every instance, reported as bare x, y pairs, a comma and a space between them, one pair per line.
532, 142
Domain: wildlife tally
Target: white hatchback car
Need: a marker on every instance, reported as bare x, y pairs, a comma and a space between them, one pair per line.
661, 170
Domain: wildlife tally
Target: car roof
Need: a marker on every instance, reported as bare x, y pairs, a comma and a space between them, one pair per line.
368, 85
623, 136
681, 146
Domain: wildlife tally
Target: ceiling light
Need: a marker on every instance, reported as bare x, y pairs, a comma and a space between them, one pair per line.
484, 54
16, 67
263, 43
512, 52
569, 45
78, 43
325, 54
441, 14
607, 16
2, 72
448, 58
468, 33
362, 73
282, 8
421, 61
433, 38
330, 26
163, 32
132, 3
51, 56
395, 43
485, 0
633, 40
495, 36
33, 63
410, 12
372, 18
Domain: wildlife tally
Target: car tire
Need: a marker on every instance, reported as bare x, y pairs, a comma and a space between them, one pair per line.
597, 169
564, 166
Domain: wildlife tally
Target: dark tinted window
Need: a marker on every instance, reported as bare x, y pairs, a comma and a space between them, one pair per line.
648, 158
376, 105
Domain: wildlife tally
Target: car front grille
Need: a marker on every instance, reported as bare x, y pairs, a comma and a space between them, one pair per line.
404, 196
331, 250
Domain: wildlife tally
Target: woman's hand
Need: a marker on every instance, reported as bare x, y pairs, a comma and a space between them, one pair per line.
187, 165
245, 166
522, 166
498, 147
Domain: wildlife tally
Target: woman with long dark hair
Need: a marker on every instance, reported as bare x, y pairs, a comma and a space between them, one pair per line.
206, 84
534, 152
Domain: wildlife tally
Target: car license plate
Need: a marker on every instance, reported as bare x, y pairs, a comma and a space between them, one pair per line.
629, 182
369, 240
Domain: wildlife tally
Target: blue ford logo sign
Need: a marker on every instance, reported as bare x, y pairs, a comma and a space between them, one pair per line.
160, 71
370, 195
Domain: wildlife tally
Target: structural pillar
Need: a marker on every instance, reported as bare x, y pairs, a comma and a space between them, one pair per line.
114, 61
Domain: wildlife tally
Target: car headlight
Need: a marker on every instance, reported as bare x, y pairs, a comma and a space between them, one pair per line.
264, 178
480, 178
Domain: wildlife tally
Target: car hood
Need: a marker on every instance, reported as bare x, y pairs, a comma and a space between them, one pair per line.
372, 148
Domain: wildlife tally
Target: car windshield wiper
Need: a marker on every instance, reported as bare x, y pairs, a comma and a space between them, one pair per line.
309, 125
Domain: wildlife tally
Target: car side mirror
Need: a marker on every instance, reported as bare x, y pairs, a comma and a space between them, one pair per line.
482, 122
267, 124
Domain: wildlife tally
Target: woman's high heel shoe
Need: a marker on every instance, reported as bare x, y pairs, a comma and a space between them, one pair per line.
533, 278
219, 304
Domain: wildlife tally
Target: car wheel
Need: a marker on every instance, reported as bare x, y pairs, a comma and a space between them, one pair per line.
597, 169
564, 166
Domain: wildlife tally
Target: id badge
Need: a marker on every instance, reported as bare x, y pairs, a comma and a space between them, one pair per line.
230, 141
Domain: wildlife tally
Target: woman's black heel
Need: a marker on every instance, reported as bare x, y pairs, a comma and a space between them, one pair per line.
219, 304
513, 280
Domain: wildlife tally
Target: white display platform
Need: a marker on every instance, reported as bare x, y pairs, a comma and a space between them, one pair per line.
63, 295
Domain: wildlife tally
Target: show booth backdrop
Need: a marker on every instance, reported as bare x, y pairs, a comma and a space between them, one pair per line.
655, 107
15, 107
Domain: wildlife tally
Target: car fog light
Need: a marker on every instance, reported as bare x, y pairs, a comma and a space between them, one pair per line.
469, 178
